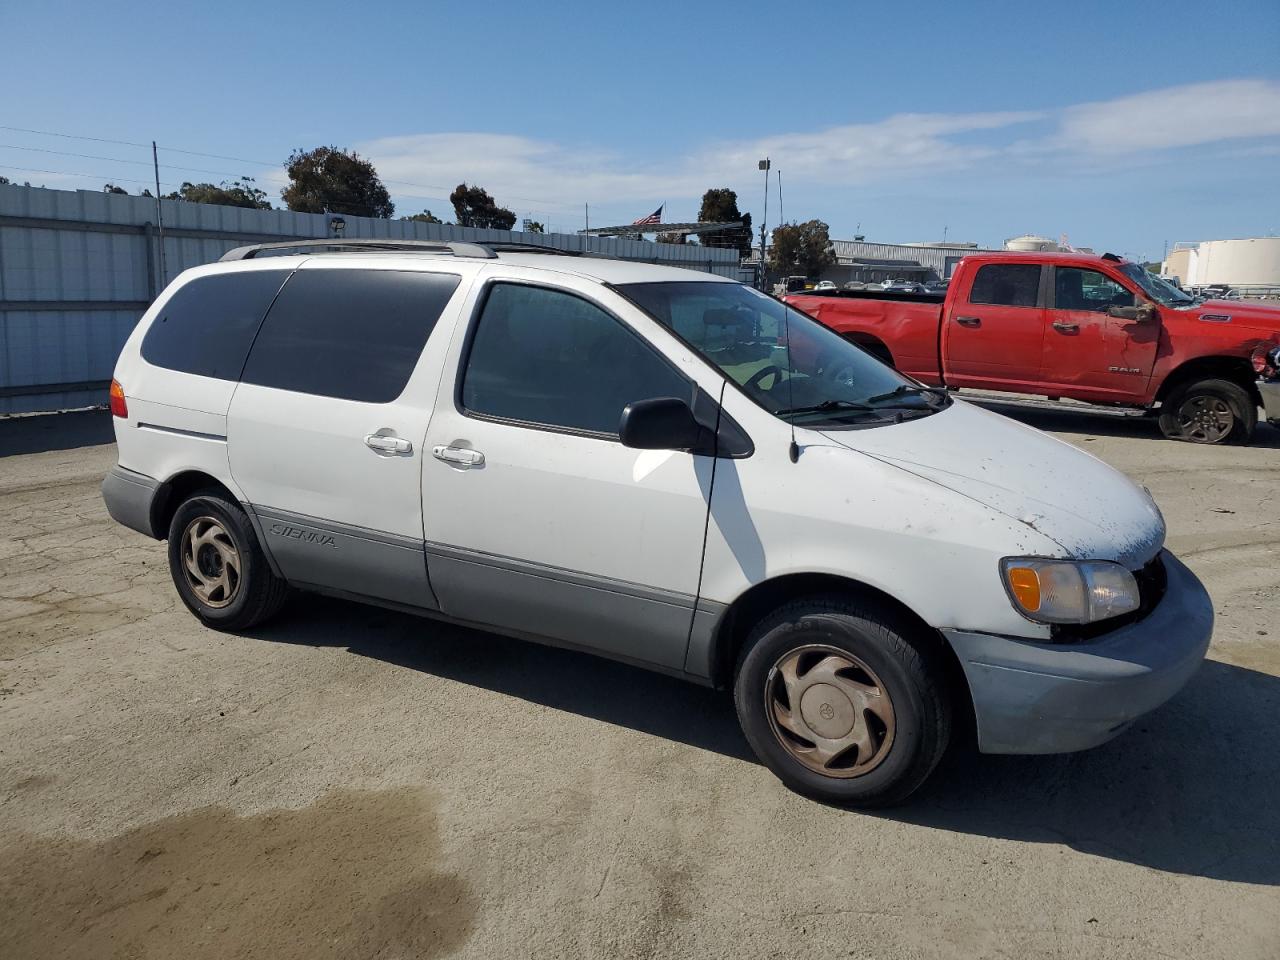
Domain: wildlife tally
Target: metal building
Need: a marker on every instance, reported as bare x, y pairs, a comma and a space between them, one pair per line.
874, 262
78, 268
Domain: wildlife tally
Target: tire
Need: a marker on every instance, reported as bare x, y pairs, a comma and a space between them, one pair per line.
901, 735
211, 541
1209, 411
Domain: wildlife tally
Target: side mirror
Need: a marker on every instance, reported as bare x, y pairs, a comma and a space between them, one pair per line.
663, 423
1144, 312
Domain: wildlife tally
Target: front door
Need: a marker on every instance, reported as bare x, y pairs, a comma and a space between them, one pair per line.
325, 429
995, 339
1088, 354
538, 520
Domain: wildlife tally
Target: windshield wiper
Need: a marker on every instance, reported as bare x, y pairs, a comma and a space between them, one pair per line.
908, 390
824, 407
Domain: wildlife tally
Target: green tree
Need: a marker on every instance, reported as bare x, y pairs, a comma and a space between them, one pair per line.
720, 205
535, 227
5, 180
679, 238
426, 216
112, 188
801, 248
330, 180
475, 208
238, 193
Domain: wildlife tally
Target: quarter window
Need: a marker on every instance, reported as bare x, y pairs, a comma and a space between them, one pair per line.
206, 327
350, 334
1007, 284
548, 357
1076, 289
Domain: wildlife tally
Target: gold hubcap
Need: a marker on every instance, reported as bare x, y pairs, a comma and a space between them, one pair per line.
829, 710
210, 562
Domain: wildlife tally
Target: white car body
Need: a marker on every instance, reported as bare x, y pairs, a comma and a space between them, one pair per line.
642, 554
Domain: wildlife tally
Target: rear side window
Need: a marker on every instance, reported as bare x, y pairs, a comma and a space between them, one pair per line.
206, 327
1007, 284
350, 334
546, 357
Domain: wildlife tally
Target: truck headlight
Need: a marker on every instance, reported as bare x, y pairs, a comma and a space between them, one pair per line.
1069, 591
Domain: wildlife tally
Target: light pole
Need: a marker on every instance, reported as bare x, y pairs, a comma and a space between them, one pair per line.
764, 165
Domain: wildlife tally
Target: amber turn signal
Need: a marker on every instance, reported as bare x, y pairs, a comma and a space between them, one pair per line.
1025, 584
118, 406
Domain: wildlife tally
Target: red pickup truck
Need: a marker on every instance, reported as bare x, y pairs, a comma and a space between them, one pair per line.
1093, 328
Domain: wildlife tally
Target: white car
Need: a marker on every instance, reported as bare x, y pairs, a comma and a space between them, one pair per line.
824, 286
656, 465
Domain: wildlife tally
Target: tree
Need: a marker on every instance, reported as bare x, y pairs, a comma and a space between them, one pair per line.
112, 188
5, 180
475, 208
801, 248
679, 238
426, 216
720, 205
330, 180
535, 227
238, 193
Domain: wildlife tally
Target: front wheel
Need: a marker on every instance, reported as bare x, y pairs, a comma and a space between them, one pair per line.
1209, 411
844, 701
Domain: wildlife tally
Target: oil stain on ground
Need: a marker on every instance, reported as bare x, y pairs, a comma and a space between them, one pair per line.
350, 876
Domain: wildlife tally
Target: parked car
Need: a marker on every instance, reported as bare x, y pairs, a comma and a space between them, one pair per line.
855, 285
824, 286
664, 467
1086, 327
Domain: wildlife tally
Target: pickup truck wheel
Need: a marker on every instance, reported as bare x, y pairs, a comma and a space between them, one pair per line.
843, 701
1209, 411
218, 566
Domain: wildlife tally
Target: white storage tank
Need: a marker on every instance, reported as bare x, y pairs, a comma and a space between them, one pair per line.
1239, 263
1030, 243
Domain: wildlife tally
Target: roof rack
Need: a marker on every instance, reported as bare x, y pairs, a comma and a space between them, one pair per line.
455, 248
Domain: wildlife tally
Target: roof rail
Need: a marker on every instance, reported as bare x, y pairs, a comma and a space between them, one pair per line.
455, 248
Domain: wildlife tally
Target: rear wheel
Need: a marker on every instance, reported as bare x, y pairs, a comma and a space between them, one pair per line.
1209, 411
218, 566
844, 701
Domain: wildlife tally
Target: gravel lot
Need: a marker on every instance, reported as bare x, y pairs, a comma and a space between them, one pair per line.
351, 782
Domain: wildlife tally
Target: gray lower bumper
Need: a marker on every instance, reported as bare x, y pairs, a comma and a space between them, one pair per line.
128, 497
1054, 698
1270, 391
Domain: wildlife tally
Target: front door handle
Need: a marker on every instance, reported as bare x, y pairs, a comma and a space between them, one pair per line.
383, 444
969, 321
459, 455
1062, 327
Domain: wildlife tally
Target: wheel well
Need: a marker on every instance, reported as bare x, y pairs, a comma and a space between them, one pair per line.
175, 490
873, 345
763, 598
1236, 369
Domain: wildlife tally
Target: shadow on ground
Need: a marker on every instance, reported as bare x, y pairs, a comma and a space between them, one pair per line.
1192, 789
61, 431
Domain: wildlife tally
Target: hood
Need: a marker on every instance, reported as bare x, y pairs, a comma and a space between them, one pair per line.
1241, 313
1088, 508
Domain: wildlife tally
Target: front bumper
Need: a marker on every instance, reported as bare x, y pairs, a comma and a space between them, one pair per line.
129, 496
1270, 391
1056, 697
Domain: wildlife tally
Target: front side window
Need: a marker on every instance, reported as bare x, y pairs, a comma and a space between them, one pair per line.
206, 327
1077, 289
548, 357
1007, 285
348, 334
821, 379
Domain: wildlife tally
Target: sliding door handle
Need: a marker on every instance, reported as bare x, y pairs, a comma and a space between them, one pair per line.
459, 455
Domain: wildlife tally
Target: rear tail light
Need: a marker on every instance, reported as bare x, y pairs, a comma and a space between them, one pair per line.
118, 406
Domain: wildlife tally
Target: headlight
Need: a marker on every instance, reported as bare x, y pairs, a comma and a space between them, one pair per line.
1069, 591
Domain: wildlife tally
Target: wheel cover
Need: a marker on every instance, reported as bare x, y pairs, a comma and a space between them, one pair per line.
1206, 419
210, 562
829, 711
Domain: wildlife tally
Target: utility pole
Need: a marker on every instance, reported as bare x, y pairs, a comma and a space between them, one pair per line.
155, 163
764, 165
781, 218
586, 217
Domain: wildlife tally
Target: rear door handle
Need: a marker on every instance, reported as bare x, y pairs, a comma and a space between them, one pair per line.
1065, 327
459, 455
969, 321
384, 444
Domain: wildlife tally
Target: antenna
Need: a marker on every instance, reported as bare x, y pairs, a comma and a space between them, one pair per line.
794, 449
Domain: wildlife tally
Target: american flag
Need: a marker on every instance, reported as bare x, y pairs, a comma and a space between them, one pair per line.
655, 217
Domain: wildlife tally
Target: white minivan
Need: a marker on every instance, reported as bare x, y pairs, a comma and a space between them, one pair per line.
656, 465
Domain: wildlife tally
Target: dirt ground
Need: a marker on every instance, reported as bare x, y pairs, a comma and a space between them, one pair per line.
350, 782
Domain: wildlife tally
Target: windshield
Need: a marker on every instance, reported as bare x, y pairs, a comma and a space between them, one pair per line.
1161, 291
743, 333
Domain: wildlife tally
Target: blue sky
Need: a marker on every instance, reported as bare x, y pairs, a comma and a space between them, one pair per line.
1122, 124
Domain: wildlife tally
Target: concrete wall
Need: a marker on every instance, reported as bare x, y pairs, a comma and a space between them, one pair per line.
78, 268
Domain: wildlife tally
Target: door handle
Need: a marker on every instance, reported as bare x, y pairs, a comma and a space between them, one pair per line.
459, 455
969, 321
1065, 327
383, 444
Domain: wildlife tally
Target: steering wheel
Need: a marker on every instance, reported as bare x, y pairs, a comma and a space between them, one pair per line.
754, 381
